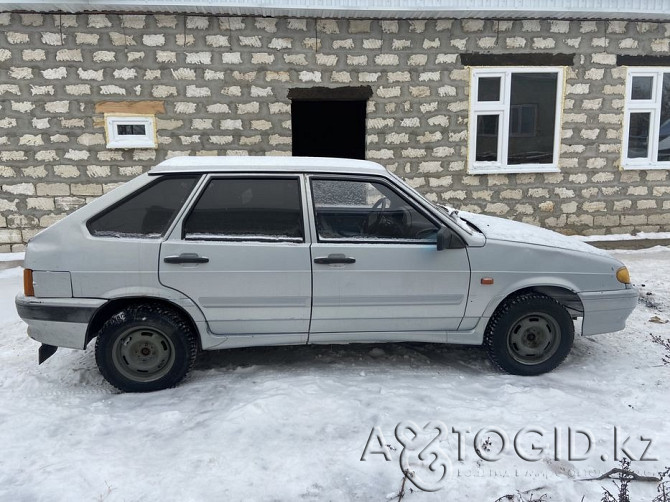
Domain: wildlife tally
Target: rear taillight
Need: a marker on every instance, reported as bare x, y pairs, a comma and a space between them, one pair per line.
28, 289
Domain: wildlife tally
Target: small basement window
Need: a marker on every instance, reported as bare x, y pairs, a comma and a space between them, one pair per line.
131, 131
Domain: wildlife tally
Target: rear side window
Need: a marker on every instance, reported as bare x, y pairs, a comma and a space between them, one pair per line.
146, 214
267, 209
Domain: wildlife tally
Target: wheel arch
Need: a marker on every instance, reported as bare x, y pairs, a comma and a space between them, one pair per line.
117, 304
565, 296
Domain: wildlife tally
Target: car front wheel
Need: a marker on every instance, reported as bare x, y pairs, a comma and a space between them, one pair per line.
144, 348
529, 334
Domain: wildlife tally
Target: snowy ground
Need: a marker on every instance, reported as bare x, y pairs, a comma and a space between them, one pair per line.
292, 423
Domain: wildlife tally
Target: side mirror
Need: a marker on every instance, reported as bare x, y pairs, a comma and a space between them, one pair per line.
446, 239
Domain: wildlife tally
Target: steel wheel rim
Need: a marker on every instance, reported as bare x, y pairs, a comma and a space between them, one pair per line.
143, 354
534, 338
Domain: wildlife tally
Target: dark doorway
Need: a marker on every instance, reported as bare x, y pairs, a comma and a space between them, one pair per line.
330, 123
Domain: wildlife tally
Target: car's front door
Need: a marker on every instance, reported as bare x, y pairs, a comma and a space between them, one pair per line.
376, 267
241, 255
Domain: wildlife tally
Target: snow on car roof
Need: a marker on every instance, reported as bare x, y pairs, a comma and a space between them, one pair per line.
288, 164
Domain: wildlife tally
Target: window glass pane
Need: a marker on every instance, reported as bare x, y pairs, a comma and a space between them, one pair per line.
523, 120
131, 129
487, 138
364, 211
247, 209
147, 213
638, 136
531, 137
642, 87
664, 131
488, 89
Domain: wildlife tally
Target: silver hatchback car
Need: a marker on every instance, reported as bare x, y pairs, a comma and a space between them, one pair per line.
205, 253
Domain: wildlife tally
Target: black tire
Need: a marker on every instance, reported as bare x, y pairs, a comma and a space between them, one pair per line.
145, 347
529, 334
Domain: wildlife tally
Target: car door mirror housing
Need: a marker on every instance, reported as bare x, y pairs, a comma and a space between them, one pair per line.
447, 239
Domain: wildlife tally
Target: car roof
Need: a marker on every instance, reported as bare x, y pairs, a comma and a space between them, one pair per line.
266, 164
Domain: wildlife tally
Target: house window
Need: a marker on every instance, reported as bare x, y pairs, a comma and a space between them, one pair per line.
646, 141
515, 119
130, 131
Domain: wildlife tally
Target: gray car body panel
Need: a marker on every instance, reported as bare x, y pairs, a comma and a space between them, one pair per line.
61, 322
276, 295
391, 287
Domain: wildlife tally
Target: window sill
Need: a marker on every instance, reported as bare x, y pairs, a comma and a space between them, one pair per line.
513, 170
128, 145
646, 167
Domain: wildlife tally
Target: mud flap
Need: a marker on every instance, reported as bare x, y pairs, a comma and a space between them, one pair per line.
45, 352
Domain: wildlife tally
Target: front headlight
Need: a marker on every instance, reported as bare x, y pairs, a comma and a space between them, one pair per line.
623, 276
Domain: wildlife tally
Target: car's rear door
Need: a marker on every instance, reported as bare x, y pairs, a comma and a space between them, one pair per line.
376, 267
241, 254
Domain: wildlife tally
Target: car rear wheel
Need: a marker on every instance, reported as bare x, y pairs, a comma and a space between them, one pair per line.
144, 348
529, 334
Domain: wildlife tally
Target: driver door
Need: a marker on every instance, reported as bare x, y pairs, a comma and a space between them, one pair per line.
375, 263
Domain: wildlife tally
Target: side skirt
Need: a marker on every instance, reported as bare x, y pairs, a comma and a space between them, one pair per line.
474, 336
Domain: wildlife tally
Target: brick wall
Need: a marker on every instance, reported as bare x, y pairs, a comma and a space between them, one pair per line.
224, 83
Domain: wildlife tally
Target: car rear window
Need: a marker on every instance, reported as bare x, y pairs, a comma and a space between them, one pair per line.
247, 209
147, 213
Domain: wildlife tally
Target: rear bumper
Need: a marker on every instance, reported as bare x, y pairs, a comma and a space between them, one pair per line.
60, 322
607, 311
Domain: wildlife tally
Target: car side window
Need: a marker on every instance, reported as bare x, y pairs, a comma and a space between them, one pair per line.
147, 213
262, 209
348, 210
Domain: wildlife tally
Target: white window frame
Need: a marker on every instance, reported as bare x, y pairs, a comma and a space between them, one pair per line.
502, 109
116, 140
651, 106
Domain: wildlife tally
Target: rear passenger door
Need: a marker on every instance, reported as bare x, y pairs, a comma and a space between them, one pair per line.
241, 255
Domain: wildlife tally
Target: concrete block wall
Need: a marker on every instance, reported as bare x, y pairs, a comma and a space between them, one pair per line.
224, 83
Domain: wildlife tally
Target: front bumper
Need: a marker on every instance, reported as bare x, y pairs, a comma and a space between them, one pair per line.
60, 322
607, 311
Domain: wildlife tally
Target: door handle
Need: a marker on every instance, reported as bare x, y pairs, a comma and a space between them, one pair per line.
186, 258
334, 258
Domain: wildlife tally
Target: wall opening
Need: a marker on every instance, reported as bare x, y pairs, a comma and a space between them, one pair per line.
329, 122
